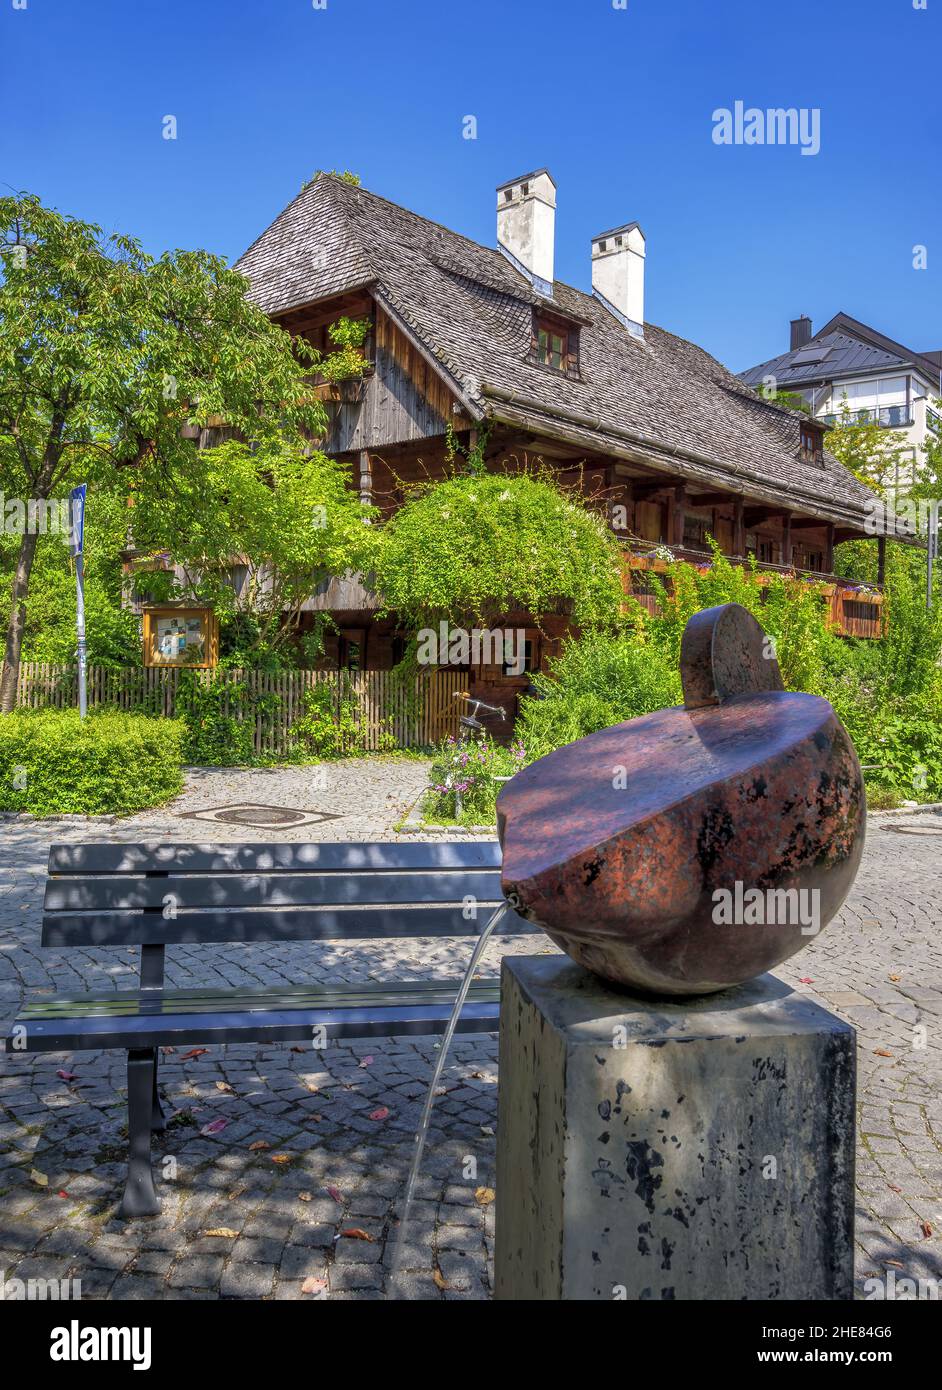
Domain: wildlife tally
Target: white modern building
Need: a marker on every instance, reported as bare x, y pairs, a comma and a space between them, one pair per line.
879, 379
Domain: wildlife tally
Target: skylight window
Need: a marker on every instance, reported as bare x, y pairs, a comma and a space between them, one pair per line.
807, 356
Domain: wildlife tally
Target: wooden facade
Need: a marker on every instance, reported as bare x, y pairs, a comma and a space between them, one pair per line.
391, 426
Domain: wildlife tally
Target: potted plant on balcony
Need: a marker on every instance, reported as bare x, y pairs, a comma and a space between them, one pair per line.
345, 368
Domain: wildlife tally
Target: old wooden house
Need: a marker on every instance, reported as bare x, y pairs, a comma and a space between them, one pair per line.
466, 336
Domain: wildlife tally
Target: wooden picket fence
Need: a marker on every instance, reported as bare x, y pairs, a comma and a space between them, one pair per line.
414, 717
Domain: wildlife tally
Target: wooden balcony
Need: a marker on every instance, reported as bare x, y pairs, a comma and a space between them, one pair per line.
852, 610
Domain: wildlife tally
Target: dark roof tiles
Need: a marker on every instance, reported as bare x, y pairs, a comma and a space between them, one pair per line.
472, 310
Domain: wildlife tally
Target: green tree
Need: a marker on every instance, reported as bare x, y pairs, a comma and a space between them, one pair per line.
877, 456
282, 517
106, 354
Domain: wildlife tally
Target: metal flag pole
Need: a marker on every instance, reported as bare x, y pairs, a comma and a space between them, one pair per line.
77, 547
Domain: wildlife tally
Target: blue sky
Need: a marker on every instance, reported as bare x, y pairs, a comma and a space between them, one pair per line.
617, 102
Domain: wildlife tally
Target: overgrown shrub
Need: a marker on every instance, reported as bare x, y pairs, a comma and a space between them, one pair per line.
888, 693
217, 732
596, 682
52, 762
332, 723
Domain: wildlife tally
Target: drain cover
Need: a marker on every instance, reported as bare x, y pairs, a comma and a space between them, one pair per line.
265, 817
915, 829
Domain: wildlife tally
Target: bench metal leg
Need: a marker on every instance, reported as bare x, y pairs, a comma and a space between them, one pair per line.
140, 1196
158, 1119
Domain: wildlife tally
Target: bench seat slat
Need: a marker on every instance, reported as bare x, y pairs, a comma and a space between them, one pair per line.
300, 857
291, 924
411, 1007
270, 890
113, 1003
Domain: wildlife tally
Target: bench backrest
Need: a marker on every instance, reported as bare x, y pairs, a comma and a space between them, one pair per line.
161, 895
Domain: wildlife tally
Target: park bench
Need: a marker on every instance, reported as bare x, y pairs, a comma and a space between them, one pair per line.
159, 896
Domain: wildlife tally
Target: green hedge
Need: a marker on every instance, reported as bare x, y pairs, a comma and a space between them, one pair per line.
53, 763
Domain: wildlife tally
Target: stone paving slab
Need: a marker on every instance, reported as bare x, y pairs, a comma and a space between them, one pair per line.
307, 1175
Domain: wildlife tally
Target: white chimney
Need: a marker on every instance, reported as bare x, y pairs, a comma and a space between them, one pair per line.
618, 274
526, 226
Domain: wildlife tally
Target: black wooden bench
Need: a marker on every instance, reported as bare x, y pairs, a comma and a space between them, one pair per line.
155, 896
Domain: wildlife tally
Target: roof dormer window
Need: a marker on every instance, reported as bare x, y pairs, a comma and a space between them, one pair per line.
555, 344
812, 445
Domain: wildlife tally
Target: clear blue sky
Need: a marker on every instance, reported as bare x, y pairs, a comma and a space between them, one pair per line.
618, 103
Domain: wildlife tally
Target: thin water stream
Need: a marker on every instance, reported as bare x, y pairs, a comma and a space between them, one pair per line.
422, 1133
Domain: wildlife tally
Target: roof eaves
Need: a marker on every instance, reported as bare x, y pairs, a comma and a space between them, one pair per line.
684, 461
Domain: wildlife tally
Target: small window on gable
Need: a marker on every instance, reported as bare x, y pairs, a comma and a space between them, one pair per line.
555, 345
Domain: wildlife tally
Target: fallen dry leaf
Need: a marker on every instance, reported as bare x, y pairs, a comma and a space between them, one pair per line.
356, 1233
236, 1192
309, 1086
893, 1188
895, 978
282, 1158
194, 1052
381, 1114
223, 1233
296, 1048
895, 1263
40, 1179
881, 1052
484, 1196
67, 1075
313, 1285
62, 1192
305, 1197
336, 1194
440, 1280
223, 1086
926, 1229
367, 1061
214, 1127
259, 1144
806, 980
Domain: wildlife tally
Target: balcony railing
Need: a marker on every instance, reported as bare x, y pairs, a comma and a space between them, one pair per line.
853, 610
890, 417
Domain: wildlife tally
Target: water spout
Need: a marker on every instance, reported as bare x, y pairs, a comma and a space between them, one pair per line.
422, 1132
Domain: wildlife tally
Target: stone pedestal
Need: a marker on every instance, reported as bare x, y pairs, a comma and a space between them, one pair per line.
690, 1149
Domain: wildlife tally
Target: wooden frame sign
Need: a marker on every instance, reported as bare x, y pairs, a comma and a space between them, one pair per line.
181, 637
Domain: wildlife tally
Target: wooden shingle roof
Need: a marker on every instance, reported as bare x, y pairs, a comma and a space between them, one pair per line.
661, 399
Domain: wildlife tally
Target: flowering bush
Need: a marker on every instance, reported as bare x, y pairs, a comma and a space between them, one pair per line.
464, 780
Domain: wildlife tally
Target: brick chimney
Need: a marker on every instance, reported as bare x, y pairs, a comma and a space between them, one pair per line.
618, 274
526, 226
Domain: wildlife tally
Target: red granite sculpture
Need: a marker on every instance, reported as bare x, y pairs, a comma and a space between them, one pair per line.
691, 849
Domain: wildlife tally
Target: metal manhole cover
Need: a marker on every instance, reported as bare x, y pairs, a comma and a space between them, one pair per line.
263, 817
915, 829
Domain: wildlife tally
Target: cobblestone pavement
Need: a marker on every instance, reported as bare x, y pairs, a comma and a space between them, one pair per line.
320, 1202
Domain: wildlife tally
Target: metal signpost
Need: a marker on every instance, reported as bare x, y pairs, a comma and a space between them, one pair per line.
77, 548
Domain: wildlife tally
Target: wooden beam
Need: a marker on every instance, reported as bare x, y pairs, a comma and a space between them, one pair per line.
787, 541
366, 479
881, 559
710, 499
739, 528
756, 515
829, 549
679, 501
642, 491
808, 523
